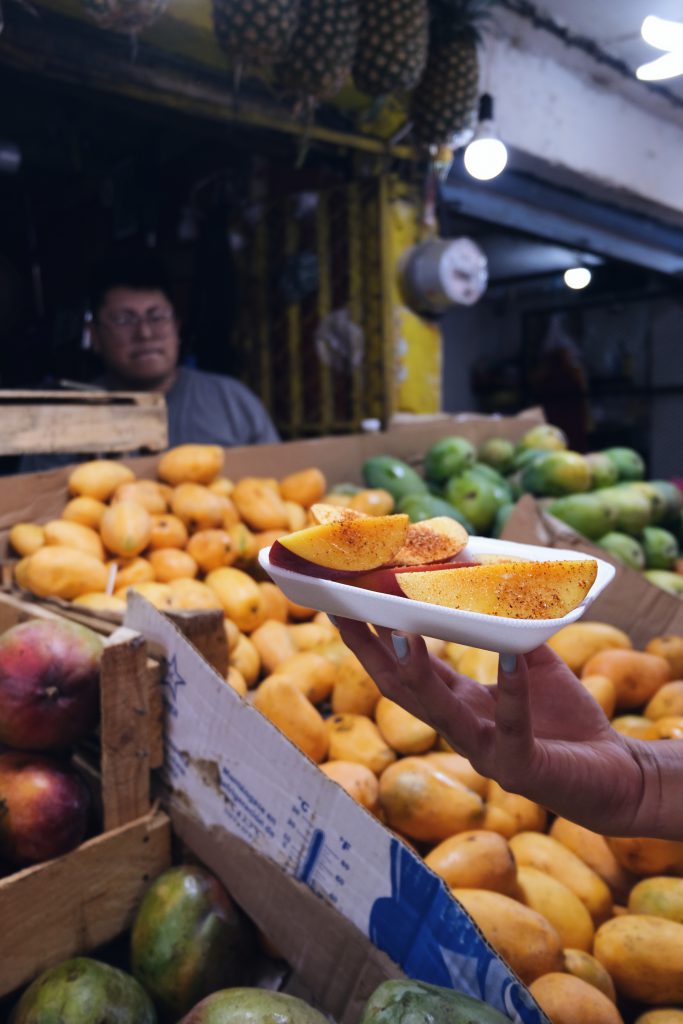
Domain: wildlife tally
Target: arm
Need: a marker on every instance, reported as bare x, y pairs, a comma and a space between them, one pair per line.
538, 733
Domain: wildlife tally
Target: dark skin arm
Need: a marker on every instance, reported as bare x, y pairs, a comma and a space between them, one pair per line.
538, 733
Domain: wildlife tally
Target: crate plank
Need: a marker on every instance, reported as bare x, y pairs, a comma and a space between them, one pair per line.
39, 422
71, 905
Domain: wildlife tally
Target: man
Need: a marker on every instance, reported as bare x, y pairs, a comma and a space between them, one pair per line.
135, 332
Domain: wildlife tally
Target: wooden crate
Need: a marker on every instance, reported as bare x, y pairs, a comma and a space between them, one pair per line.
72, 904
39, 422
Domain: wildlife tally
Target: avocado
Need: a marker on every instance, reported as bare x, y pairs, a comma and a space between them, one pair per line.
427, 506
604, 472
448, 456
660, 547
393, 475
476, 497
630, 464
416, 1002
557, 473
626, 549
497, 452
585, 513
82, 991
545, 436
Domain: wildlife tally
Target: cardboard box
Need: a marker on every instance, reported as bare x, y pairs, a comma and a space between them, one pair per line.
74, 903
630, 602
277, 830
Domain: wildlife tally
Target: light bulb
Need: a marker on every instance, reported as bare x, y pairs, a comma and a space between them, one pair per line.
577, 277
485, 158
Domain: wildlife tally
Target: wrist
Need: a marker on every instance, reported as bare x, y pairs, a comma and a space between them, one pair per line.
660, 810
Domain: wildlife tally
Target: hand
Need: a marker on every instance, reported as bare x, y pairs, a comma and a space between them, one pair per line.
538, 732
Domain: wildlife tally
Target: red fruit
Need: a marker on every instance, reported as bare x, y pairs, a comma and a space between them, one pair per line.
384, 580
284, 559
44, 808
49, 684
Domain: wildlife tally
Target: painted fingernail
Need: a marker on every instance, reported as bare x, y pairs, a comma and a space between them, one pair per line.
401, 646
508, 662
335, 622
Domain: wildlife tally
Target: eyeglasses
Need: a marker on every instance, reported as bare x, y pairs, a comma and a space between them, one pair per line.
156, 319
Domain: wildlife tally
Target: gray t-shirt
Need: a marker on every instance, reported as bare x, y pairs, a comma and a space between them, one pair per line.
203, 408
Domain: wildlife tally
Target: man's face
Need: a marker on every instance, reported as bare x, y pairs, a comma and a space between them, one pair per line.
136, 334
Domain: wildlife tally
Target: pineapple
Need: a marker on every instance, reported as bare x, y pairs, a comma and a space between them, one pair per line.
125, 15
444, 104
392, 45
320, 57
255, 30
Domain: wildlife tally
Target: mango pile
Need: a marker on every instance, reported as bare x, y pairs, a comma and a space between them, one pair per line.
603, 495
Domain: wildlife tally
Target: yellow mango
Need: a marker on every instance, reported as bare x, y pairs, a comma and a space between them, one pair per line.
58, 571
587, 967
558, 904
527, 815
20, 572
476, 859
566, 999
403, 731
299, 612
260, 504
172, 564
168, 531
236, 680
305, 487
453, 652
670, 647
670, 727
358, 781
25, 538
126, 528
594, 850
667, 701
74, 535
84, 510
297, 516
646, 856
142, 492
221, 485
274, 644
98, 602
158, 594
458, 767
601, 689
356, 738
198, 507
355, 692
579, 641
98, 478
274, 601
245, 659
190, 463
662, 1015
284, 704
644, 955
307, 636
312, 673
660, 896
522, 936
422, 802
232, 633
534, 849
479, 665
243, 542
372, 501
129, 571
638, 727
193, 595
240, 596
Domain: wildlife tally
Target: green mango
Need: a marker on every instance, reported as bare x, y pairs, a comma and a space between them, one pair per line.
658, 506
345, 488
632, 508
604, 473
672, 582
475, 497
502, 515
497, 452
630, 464
557, 473
84, 991
252, 1006
416, 1002
500, 483
660, 547
673, 499
428, 506
523, 457
448, 456
188, 939
623, 547
393, 475
545, 436
585, 513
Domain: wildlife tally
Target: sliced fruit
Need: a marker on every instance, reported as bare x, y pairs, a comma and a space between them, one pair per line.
323, 513
354, 544
383, 581
432, 540
516, 590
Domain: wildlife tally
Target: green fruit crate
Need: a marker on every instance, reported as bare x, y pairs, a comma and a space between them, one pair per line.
77, 902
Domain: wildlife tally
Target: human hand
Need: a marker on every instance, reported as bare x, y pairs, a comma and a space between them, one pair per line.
538, 732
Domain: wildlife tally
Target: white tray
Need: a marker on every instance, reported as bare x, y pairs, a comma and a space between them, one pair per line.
492, 632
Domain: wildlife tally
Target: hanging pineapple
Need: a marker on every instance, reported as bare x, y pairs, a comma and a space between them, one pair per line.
131, 16
444, 104
258, 31
392, 45
320, 57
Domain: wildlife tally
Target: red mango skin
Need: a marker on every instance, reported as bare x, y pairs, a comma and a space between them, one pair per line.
49, 684
384, 581
285, 559
44, 808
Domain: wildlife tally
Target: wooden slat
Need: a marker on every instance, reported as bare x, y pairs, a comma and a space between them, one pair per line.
39, 422
73, 904
124, 728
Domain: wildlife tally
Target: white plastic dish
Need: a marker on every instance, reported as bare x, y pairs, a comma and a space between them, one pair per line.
492, 632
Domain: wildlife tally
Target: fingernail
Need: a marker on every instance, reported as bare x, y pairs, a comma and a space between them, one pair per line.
335, 622
508, 662
401, 646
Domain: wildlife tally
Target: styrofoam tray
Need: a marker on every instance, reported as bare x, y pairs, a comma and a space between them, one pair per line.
492, 632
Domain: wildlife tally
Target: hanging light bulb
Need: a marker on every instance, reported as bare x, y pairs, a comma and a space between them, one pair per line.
577, 277
667, 36
485, 156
